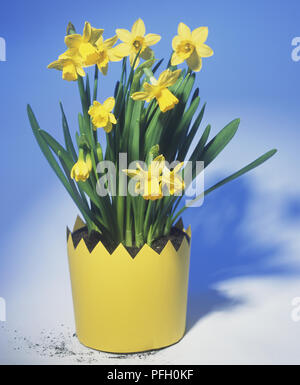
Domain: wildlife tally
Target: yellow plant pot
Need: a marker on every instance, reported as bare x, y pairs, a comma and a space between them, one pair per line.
124, 304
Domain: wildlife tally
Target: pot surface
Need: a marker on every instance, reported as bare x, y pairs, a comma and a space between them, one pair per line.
124, 304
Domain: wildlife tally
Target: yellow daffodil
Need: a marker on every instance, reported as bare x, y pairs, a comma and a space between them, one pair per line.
101, 114
135, 42
149, 182
104, 53
172, 180
82, 168
85, 43
190, 46
158, 90
70, 63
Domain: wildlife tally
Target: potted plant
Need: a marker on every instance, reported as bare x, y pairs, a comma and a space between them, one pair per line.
129, 256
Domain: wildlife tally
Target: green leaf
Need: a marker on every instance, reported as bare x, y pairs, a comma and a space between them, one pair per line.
134, 139
182, 128
230, 178
219, 142
155, 68
88, 89
190, 137
196, 155
56, 147
68, 140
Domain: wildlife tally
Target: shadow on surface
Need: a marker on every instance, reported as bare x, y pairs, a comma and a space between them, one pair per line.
222, 250
206, 302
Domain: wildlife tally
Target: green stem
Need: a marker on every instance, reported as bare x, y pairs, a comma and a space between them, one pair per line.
83, 98
96, 76
147, 218
128, 229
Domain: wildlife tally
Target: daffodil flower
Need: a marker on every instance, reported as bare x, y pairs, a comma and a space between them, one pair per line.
82, 168
85, 43
190, 46
172, 180
101, 114
70, 63
104, 53
149, 182
159, 90
135, 42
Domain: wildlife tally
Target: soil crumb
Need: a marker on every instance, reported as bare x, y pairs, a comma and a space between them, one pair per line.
62, 343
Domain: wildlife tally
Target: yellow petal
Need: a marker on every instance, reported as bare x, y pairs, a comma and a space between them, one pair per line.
112, 118
176, 59
73, 41
199, 35
152, 38
118, 52
112, 57
164, 76
94, 106
57, 64
87, 31
131, 173
159, 158
72, 173
194, 62
70, 53
140, 168
157, 166
184, 31
109, 104
99, 42
138, 28
124, 35
204, 50
176, 40
95, 35
108, 43
175, 185
149, 89
167, 78
80, 71
178, 167
139, 96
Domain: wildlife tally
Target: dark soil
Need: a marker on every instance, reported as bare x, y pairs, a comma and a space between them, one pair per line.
176, 237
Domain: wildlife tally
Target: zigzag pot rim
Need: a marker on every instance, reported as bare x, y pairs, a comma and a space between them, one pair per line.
80, 225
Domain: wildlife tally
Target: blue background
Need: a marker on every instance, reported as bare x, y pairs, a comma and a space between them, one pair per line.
251, 76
